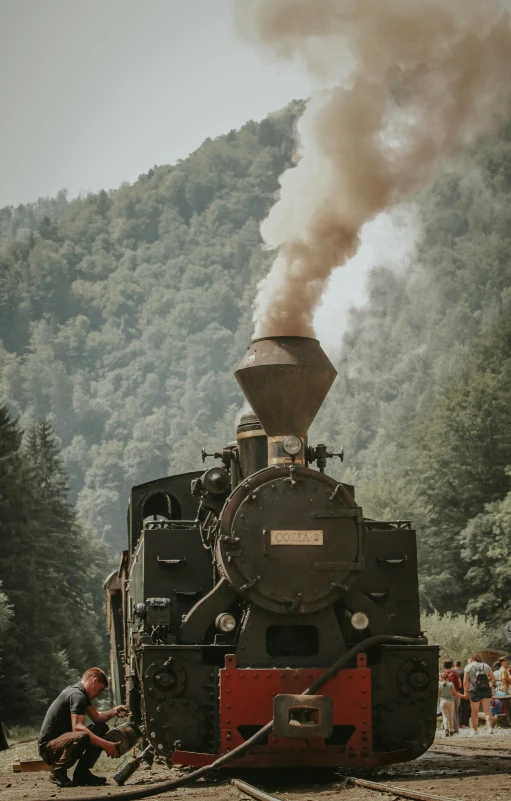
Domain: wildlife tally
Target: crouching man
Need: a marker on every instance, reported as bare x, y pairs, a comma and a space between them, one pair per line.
64, 739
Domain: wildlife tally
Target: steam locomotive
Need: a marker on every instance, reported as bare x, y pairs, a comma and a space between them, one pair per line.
243, 583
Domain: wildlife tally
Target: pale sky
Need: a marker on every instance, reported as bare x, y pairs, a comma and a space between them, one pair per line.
96, 92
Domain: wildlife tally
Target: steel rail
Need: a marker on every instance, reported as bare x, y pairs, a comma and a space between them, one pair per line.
255, 792
459, 750
401, 792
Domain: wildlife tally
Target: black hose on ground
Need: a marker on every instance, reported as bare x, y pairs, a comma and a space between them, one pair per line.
188, 778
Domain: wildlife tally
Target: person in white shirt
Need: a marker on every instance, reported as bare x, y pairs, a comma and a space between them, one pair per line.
502, 677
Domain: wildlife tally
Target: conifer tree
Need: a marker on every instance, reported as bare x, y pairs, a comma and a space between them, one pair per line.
52, 575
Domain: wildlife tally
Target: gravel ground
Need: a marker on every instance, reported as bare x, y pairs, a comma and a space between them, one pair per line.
473, 777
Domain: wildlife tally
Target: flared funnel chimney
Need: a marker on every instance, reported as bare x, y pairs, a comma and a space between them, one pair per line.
285, 380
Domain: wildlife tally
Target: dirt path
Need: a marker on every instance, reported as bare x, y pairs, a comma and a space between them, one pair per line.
472, 777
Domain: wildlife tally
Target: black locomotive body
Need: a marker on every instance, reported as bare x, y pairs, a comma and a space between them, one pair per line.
234, 597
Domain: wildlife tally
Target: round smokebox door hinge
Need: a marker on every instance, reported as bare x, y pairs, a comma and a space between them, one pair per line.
164, 680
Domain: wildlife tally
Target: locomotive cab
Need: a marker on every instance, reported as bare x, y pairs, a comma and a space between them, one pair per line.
244, 583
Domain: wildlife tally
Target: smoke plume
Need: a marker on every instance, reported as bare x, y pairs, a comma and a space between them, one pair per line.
404, 86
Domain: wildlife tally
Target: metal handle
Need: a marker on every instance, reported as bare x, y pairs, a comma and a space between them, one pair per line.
398, 561
171, 562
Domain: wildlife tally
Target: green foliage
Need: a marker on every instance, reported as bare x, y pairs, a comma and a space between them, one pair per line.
456, 464
16, 223
458, 636
51, 571
122, 318
486, 551
5, 612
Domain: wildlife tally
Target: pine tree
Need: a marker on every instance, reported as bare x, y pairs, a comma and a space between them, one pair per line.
52, 575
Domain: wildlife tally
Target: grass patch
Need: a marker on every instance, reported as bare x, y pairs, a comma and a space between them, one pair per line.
17, 734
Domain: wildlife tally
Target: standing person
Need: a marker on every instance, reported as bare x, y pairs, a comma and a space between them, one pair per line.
447, 695
502, 676
464, 709
454, 677
64, 739
478, 676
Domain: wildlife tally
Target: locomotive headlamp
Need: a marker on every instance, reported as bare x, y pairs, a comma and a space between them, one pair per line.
292, 445
225, 623
216, 480
359, 621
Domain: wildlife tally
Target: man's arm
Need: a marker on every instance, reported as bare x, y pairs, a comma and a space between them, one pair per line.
104, 717
78, 724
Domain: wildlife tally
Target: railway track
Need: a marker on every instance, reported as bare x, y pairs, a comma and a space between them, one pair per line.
396, 792
476, 751
474, 770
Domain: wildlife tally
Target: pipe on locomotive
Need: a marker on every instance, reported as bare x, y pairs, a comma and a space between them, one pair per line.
365, 645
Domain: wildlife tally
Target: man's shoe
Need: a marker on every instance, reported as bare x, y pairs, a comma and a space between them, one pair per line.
60, 778
87, 779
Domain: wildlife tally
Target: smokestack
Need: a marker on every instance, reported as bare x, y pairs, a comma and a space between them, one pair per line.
285, 380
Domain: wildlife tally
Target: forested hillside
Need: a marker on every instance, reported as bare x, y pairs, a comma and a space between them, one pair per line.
123, 320
122, 316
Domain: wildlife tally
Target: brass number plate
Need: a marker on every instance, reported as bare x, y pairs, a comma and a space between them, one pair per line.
290, 537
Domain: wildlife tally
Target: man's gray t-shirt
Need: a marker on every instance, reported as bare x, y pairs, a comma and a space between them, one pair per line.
473, 669
71, 701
